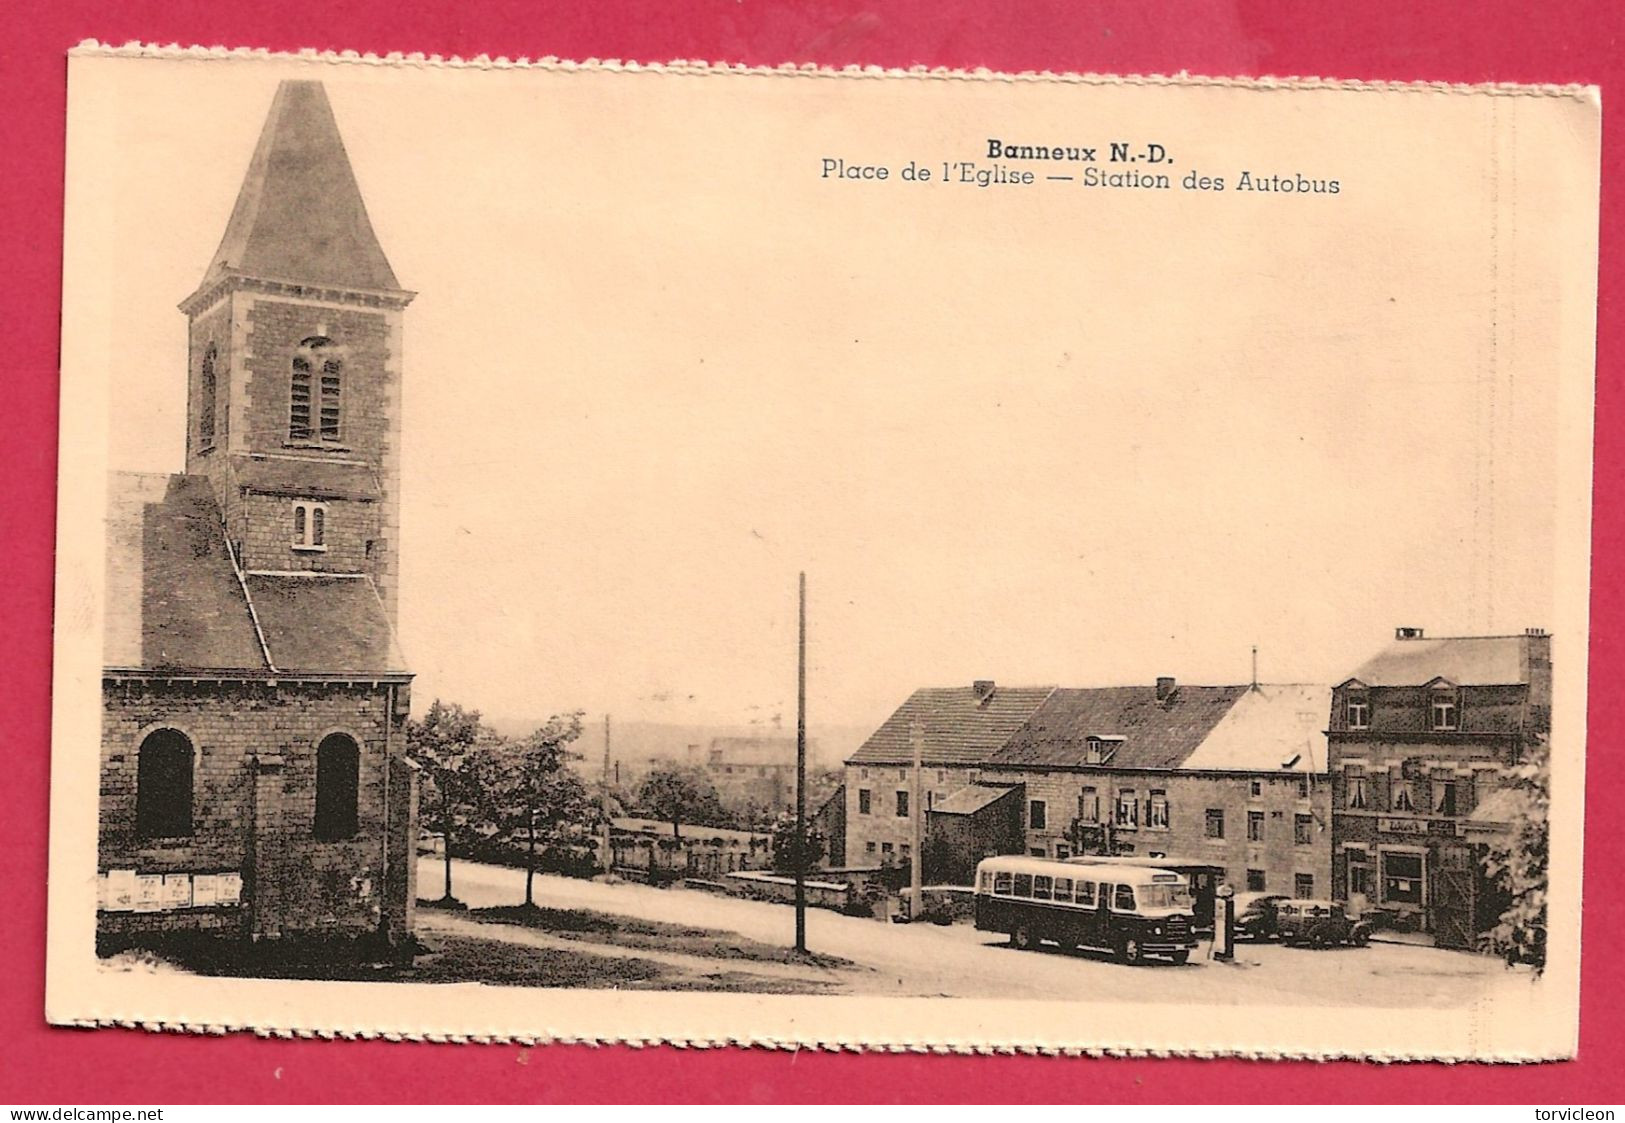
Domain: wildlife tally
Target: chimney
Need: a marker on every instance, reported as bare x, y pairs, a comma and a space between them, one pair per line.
983, 689
1407, 633
1165, 687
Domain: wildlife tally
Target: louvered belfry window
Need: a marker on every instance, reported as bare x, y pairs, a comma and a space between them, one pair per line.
315, 402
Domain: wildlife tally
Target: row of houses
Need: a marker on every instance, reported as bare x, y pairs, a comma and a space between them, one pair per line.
1382, 791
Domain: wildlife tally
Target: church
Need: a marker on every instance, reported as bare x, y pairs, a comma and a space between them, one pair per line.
254, 776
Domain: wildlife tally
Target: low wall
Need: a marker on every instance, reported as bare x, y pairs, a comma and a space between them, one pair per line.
777, 887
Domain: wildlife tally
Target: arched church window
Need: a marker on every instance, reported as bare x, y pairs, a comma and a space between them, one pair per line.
338, 786
163, 785
309, 526
206, 400
316, 398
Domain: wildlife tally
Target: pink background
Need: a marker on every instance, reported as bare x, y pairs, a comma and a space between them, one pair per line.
1458, 42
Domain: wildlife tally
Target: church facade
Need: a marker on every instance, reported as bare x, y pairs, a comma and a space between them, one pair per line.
254, 776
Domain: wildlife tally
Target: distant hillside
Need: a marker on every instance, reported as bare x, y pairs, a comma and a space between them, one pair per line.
634, 743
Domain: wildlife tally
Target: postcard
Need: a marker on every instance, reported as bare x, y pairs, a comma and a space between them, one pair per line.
698, 554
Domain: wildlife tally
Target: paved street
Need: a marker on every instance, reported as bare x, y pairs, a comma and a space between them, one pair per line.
960, 961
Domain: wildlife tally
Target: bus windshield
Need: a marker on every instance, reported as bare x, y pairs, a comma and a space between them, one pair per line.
1164, 897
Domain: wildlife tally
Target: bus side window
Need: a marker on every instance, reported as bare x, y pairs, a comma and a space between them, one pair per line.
1001, 885
1124, 899
1024, 885
987, 881
1043, 887
1063, 889
1086, 894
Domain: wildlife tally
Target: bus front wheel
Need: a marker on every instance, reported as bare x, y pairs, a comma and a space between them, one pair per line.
1129, 951
1022, 937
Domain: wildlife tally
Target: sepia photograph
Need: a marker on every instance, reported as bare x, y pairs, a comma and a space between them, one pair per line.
670, 553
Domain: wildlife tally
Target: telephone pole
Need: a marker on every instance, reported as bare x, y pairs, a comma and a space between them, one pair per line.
801, 766
916, 877
609, 857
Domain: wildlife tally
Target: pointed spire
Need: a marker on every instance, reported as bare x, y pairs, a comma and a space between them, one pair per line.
299, 216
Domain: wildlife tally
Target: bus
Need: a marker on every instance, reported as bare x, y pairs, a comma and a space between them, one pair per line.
1201, 878
1129, 911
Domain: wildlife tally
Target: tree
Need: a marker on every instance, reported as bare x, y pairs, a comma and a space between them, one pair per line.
1517, 861
526, 788
441, 743
787, 855
681, 795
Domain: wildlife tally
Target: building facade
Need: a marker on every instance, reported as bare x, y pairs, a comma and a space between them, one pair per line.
1419, 737
958, 729
253, 771
1227, 776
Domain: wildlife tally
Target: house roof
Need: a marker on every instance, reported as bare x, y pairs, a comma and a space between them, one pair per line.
1154, 734
1273, 728
960, 724
1498, 808
969, 800
306, 477
173, 599
176, 601
1463, 660
299, 214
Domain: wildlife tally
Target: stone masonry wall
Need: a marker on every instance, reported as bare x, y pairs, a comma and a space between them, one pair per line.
318, 886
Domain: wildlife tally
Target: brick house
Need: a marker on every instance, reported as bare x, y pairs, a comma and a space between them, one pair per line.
1228, 776
254, 779
1418, 738
960, 727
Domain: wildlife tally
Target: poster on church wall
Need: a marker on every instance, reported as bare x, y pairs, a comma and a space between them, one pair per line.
954, 462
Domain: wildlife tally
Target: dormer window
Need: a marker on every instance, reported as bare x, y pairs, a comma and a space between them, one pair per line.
310, 526
1443, 713
1099, 750
1359, 711
315, 398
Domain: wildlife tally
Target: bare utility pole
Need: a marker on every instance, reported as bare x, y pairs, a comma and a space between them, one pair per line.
609, 858
916, 877
801, 766
1255, 666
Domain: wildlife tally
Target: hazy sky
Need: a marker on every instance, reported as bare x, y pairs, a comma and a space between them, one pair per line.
658, 365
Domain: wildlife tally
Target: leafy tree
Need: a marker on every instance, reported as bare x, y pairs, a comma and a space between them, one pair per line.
526, 788
442, 743
787, 854
681, 795
1517, 861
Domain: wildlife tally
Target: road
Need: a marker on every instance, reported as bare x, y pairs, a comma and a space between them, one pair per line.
958, 961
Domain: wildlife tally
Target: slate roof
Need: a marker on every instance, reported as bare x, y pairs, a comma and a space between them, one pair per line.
1271, 729
1464, 660
173, 599
176, 603
1154, 734
299, 214
960, 726
970, 800
325, 625
307, 477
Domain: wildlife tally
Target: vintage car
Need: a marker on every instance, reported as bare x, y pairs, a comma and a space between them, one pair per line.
1255, 915
1318, 923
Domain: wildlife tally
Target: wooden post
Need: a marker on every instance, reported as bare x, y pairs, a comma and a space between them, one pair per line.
609, 857
916, 877
801, 766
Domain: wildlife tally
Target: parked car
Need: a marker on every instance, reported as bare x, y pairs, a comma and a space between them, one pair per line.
1319, 924
1256, 915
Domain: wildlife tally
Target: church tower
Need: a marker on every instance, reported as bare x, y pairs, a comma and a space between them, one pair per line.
294, 370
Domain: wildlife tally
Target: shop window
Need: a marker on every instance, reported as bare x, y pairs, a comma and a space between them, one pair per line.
1401, 878
163, 785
